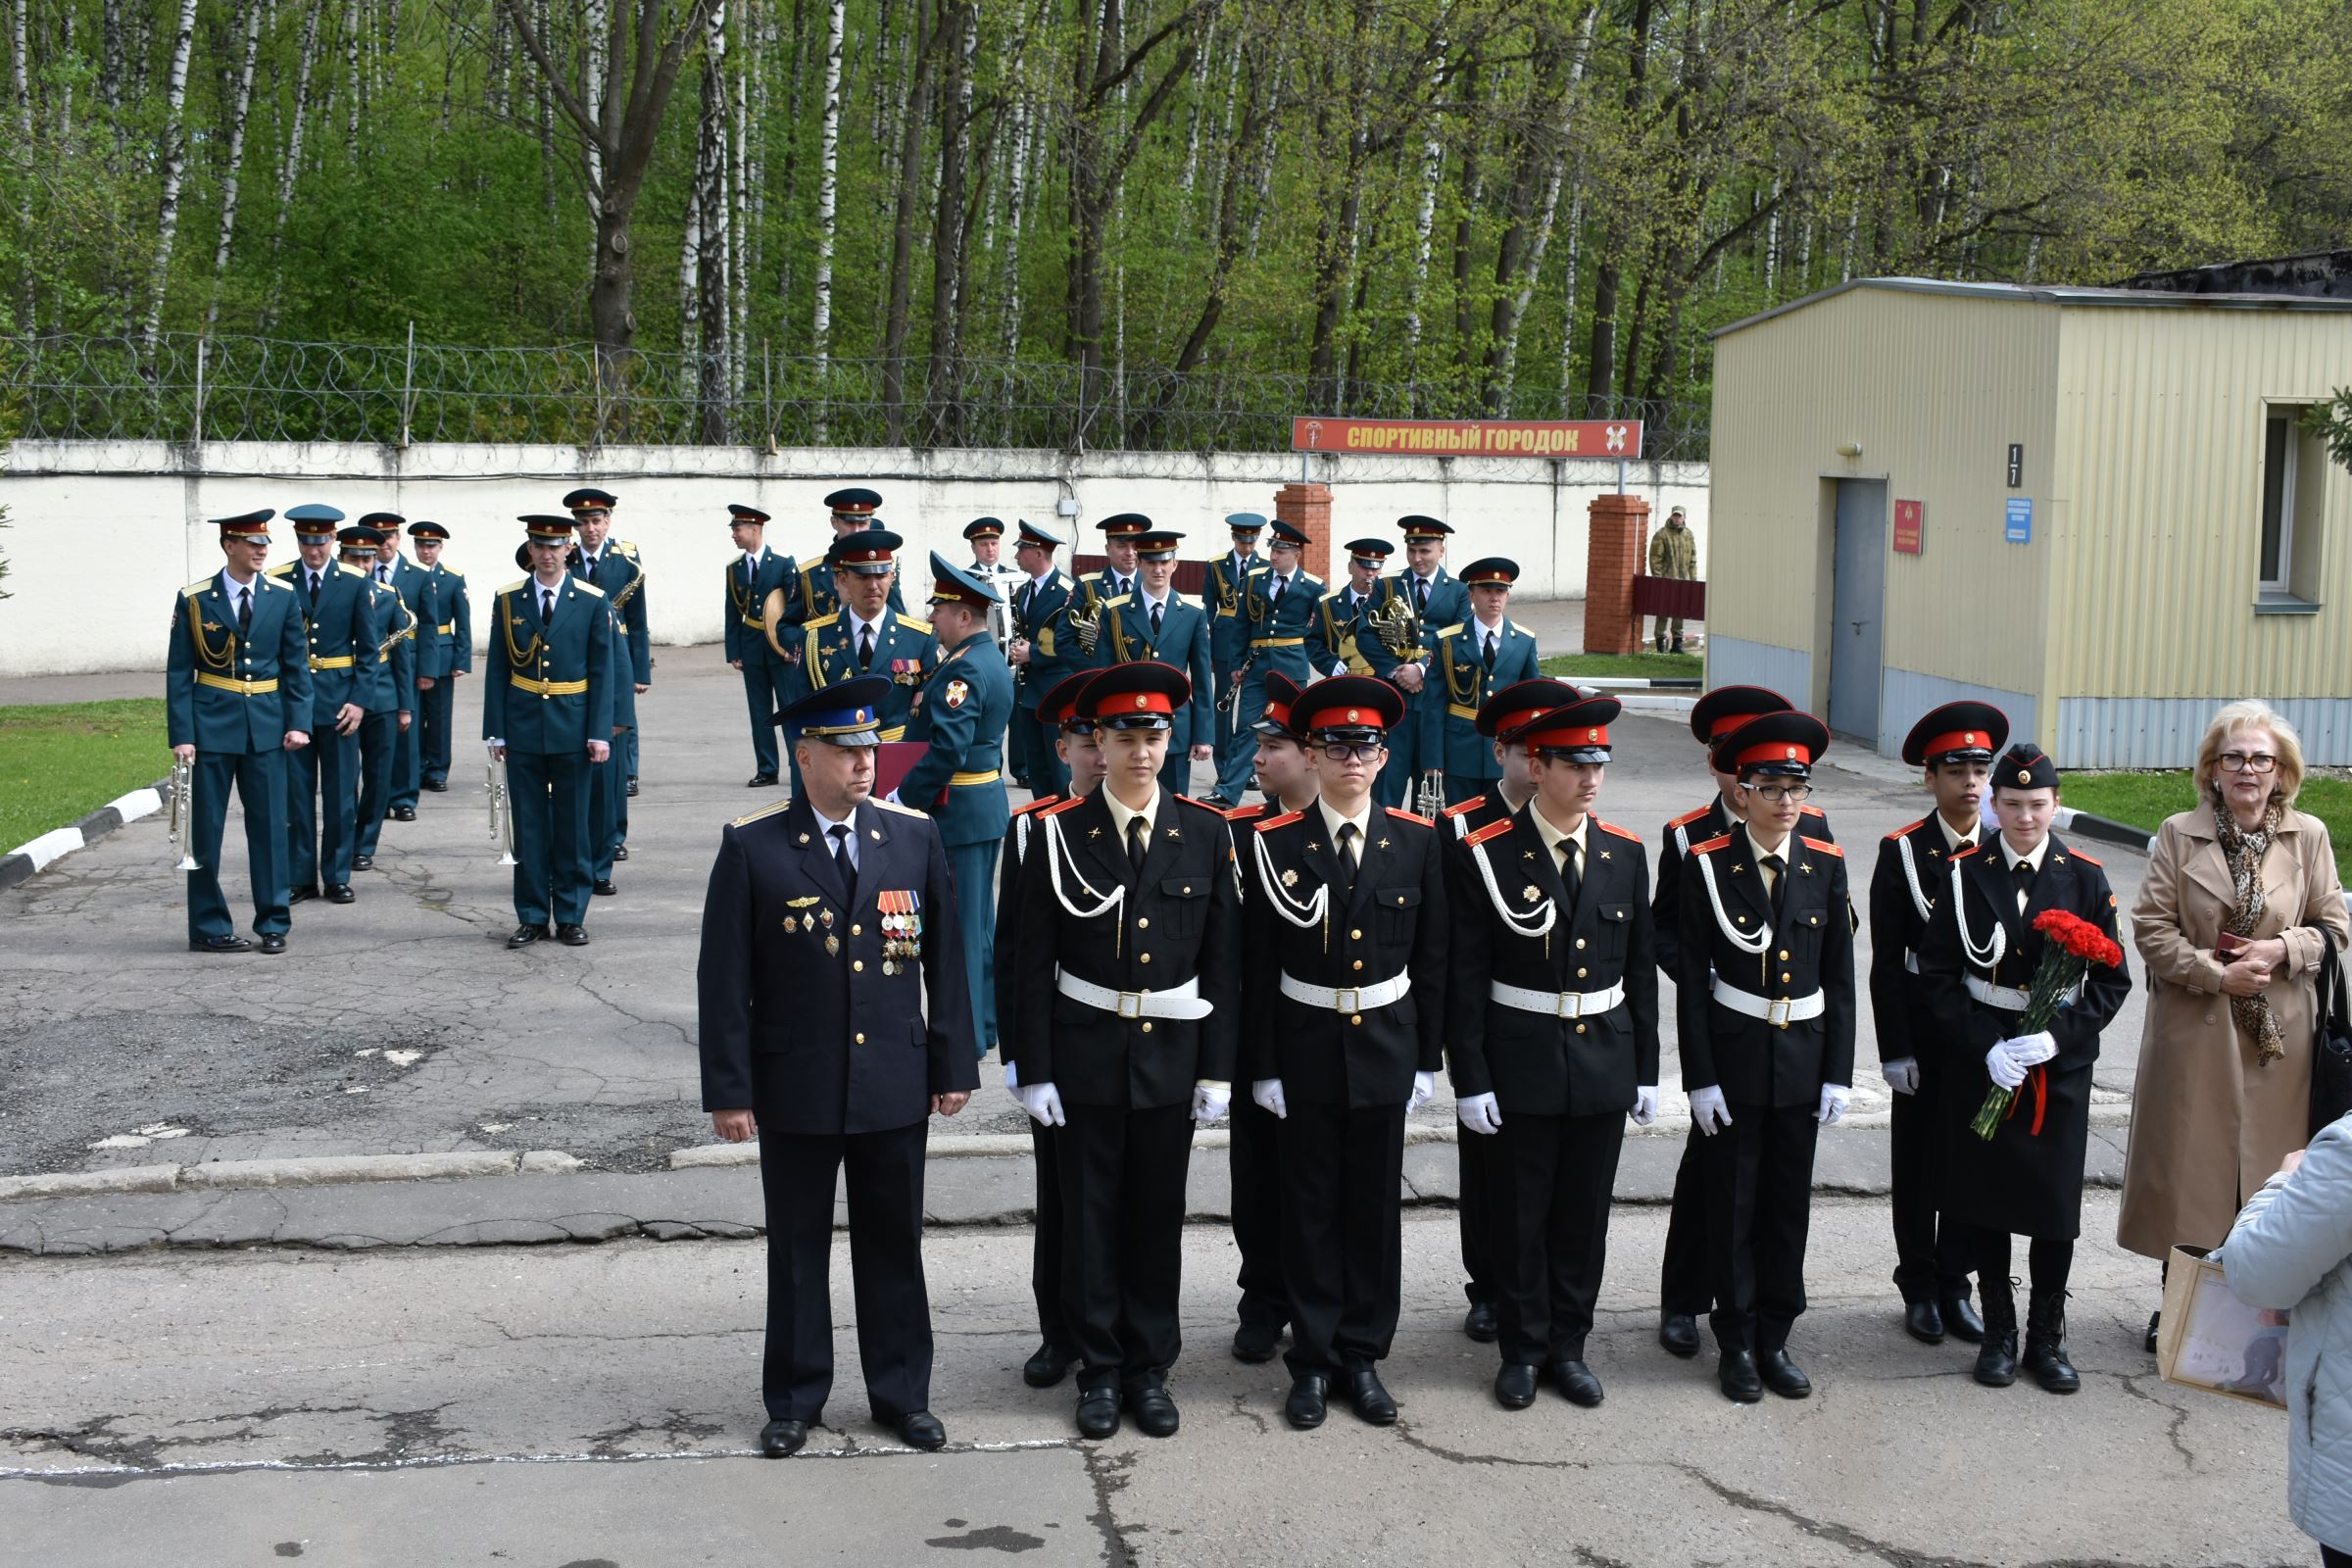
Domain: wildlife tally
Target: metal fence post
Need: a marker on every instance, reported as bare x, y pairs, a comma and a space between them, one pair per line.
196, 431
408, 388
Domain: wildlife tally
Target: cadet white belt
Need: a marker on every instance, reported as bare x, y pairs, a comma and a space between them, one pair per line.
2010, 998
1779, 1012
1558, 1003
1177, 1002
1347, 999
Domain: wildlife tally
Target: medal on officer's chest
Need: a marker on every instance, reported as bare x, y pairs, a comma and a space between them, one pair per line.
902, 915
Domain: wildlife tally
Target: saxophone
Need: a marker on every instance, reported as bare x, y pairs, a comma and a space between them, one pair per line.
410, 630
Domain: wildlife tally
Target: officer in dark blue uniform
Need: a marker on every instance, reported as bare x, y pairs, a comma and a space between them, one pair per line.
1156, 621
613, 566
237, 699
866, 636
1471, 659
960, 714
1056, 625
547, 712
1439, 601
414, 584
762, 585
1277, 606
444, 651
852, 511
1228, 634
391, 708
322, 778
830, 918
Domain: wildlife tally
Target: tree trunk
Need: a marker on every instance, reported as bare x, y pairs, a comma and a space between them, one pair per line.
828, 187
20, 74
1024, 120
1519, 260
913, 124
290, 164
239, 114
716, 368
172, 154
958, 46
1425, 222
351, 29
1601, 368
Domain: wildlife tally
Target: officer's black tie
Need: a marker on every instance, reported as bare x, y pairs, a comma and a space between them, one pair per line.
841, 857
1421, 596
1490, 652
1155, 610
547, 604
866, 648
1347, 852
1139, 833
244, 612
1777, 870
588, 567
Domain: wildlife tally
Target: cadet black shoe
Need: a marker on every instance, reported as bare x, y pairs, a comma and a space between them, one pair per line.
404, 813
1515, 1386
1254, 1343
1372, 1401
363, 863
526, 935
1677, 1332
1305, 1407
2045, 1345
1784, 1376
571, 936
1098, 1411
620, 852
1478, 1322
632, 786
1049, 1366
1577, 1382
227, 943
2149, 1344
340, 892
295, 896
1996, 1359
1923, 1322
921, 1429
1736, 1371
1154, 1412
758, 781
1960, 1320
604, 889
780, 1440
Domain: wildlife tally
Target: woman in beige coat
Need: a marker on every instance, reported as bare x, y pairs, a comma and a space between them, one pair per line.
2225, 1058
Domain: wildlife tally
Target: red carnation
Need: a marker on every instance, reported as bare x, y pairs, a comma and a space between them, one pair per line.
2071, 945
2079, 937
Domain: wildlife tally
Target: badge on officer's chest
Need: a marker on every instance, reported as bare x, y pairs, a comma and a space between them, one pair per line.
902, 913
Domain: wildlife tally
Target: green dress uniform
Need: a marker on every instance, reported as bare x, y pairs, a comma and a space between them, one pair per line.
549, 693
237, 683
1175, 633
615, 570
322, 778
444, 649
1059, 617
1277, 615
771, 676
414, 586
1439, 599
1228, 634
1468, 670
380, 734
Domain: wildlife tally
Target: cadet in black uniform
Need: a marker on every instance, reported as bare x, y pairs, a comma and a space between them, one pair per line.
1554, 1035
1954, 744
1344, 974
1765, 1001
829, 919
1976, 967
1129, 961
1082, 762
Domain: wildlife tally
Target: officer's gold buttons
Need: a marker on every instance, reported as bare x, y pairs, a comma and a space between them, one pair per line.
1783, 977
1143, 923
856, 930
1580, 974
1147, 1026
862, 1038
1143, 957
857, 965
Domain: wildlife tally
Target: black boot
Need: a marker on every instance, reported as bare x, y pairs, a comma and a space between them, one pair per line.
1996, 1357
2045, 1344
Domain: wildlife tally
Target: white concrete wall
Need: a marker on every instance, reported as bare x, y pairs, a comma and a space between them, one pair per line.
101, 534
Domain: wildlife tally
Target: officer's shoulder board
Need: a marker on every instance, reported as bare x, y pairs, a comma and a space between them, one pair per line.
1906, 830
515, 587
1284, 820
1455, 630
587, 587
827, 619
1258, 571
1042, 803
1821, 845
196, 587
1243, 813
1621, 832
915, 623
268, 583
1461, 808
1493, 830
1711, 845
1060, 806
764, 810
1403, 815
2086, 859
1688, 818
626, 548
282, 568
893, 805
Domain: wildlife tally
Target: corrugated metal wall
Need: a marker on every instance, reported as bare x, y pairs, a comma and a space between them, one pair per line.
2163, 731
1907, 695
1738, 661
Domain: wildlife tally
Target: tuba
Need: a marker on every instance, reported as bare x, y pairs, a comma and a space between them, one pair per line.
182, 807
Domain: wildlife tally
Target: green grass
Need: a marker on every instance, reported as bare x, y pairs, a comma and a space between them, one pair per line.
2145, 799
61, 762
1626, 667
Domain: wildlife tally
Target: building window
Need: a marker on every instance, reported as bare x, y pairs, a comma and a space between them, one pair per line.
2294, 466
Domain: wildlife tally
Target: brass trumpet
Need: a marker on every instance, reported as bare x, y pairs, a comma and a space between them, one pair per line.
502, 813
1428, 799
181, 804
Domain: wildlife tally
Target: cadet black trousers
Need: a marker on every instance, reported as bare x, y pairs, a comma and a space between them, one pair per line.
885, 1181
1342, 1252
1932, 1261
1257, 1162
1122, 1238
1551, 1179
1757, 1192
1474, 1160
1044, 1254
1684, 1284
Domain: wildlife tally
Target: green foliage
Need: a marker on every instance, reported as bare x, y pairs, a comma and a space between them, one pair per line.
2145, 799
2331, 423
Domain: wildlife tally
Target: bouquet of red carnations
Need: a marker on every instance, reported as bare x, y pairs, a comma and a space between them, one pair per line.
2070, 946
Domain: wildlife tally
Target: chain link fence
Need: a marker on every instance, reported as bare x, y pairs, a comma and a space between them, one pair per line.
188, 387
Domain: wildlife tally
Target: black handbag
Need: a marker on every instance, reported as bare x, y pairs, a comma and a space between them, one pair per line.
2332, 1040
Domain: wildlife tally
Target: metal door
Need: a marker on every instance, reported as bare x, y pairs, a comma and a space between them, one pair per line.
1858, 606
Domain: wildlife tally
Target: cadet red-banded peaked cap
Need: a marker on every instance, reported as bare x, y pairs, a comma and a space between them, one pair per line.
1787, 743
737, 513
1577, 733
1347, 708
1281, 696
2025, 766
1727, 708
866, 553
854, 502
1515, 704
843, 714
250, 525
546, 528
1059, 706
951, 584
590, 499
1138, 696
1956, 733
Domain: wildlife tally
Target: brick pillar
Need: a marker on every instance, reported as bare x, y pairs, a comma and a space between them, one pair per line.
1307, 508
1616, 543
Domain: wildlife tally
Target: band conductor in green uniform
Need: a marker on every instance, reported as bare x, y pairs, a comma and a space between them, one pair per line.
866, 636
322, 778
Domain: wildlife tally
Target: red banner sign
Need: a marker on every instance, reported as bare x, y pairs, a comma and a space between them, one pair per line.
1910, 526
1470, 438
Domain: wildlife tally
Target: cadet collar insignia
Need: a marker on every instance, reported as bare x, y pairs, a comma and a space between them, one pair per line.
1531, 894
1289, 879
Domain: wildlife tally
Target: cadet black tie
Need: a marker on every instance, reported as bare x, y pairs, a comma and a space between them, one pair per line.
1572, 871
244, 610
1137, 832
841, 857
1155, 608
866, 648
2024, 872
1347, 854
1780, 882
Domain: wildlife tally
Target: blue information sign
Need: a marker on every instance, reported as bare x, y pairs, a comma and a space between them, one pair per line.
2020, 528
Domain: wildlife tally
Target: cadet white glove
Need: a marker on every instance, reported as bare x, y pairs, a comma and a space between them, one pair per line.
1901, 1074
1708, 1114
2001, 1062
1012, 1080
1645, 1104
2032, 1051
1479, 1113
1267, 1092
1835, 1098
1210, 1105
1043, 1102
1425, 1089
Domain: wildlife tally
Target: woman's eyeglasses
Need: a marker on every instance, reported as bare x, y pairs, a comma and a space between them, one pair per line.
2248, 761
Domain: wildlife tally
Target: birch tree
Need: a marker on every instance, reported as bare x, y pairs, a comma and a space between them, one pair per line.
240, 113
172, 154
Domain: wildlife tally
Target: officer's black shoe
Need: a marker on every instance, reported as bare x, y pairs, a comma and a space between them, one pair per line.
632, 786
439, 786
273, 943
1049, 1366
1923, 1322
1784, 1376
363, 862
620, 852
1736, 1371
295, 896
1576, 1380
604, 889
1677, 1332
526, 935
1515, 1386
1098, 1411
227, 943
2149, 1344
921, 1429
1255, 1342
571, 936
780, 1440
1154, 1412
1307, 1407
2045, 1345
340, 892
1960, 1320
1478, 1322
1373, 1402
758, 781
404, 813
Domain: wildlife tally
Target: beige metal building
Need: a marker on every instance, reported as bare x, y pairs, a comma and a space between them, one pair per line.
2096, 508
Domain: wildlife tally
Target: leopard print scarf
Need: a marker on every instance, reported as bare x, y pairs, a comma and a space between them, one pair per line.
2244, 853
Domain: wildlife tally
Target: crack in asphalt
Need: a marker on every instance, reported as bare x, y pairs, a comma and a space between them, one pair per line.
1107, 1473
